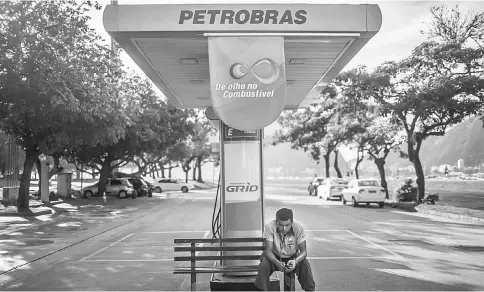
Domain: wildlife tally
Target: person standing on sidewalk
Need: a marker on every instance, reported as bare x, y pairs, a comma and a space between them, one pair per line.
285, 251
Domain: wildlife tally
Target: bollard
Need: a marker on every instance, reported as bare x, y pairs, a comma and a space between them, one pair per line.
105, 199
134, 194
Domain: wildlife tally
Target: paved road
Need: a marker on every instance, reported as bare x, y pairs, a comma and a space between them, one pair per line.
363, 248
460, 198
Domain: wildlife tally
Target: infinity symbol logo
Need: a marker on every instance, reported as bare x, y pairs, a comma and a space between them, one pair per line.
265, 70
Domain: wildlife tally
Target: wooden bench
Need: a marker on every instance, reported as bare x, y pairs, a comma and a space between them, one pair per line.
190, 245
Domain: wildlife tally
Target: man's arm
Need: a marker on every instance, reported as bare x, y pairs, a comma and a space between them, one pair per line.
302, 252
268, 252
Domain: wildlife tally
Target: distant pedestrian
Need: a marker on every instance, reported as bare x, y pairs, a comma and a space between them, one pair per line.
446, 172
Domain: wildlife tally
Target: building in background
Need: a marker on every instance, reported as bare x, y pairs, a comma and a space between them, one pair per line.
460, 164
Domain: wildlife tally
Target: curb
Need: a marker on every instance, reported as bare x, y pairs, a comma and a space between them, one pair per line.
26, 214
451, 215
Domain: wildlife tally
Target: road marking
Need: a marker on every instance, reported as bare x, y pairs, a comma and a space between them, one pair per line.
326, 230
374, 244
167, 232
196, 254
351, 258
106, 247
135, 260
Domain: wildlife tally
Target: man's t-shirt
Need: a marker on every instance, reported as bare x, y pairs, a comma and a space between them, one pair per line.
285, 246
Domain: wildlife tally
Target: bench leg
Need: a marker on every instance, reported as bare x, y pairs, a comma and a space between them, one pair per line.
289, 282
193, 282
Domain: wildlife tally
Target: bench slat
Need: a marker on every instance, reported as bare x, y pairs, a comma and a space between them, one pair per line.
217, 258
219, 248
218, 240
219, 269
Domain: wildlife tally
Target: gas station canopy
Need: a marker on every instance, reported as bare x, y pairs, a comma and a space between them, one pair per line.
169, 42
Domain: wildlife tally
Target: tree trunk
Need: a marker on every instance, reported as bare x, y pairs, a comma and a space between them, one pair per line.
413, 156
23, 193
159, 169
194, 174
162, 168
336, 166
326, 162
358, 161
38, 166
199, 166
420, 177
106, 169
57, 168
380, 163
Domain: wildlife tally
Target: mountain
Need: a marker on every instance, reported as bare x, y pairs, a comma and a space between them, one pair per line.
463, 141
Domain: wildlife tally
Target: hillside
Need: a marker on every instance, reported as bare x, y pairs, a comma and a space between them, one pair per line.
465, 140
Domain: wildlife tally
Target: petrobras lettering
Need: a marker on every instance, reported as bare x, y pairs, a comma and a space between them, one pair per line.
242, 188
201, 16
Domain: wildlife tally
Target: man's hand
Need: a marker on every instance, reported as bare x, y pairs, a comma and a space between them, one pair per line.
280, 266
291, 265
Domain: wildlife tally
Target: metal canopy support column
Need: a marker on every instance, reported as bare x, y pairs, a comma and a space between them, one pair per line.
242, 178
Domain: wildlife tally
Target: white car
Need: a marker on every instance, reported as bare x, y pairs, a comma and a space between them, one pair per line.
364, 191
169, 184
332, 188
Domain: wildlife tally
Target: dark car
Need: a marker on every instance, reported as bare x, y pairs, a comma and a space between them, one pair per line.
141, 186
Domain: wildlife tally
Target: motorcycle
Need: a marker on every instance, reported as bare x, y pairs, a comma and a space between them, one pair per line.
430, 198
407, 192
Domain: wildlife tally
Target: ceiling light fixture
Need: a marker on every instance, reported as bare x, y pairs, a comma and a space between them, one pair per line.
204, 97
298, 60
197, 81
189, 61
290, 82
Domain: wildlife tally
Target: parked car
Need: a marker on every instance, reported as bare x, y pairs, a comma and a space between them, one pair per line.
141, 186
313, 186
169, 184
364, 191
120, 187
331, 188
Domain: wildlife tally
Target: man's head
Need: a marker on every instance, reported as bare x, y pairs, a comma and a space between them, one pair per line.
284, 219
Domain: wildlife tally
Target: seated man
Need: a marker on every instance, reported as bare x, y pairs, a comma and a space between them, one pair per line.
285, 251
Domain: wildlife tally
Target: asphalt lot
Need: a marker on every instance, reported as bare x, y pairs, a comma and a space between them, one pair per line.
363, 248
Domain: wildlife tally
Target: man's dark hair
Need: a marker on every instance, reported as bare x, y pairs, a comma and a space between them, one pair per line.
285, 214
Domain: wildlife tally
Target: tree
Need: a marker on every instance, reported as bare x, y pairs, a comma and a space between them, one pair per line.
55, 88
201, 149
450, 26
438, 86
382, 137
151, 129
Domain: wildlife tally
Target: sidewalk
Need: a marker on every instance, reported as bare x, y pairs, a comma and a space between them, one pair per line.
70, 223
442, 210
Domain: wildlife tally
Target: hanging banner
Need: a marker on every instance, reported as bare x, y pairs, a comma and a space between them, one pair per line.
247, 80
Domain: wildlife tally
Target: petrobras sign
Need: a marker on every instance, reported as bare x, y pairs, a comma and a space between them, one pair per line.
247, 80
242, 16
